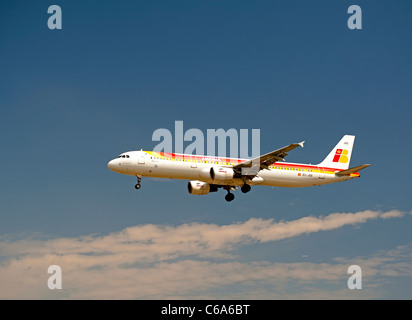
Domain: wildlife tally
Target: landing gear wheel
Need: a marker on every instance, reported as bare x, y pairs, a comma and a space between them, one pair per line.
229, 197
138, 186
245, 188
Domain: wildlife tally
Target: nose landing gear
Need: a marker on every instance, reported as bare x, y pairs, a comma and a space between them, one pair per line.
139, 179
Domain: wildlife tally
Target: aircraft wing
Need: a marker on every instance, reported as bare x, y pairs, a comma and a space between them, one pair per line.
264, 161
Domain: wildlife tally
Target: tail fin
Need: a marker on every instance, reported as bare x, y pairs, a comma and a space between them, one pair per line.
339, 157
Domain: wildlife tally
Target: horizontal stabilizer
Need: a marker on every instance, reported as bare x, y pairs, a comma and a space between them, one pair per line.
351, 170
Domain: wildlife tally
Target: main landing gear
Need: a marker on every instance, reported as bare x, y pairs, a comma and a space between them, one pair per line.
245, 188
139, 179
230, 196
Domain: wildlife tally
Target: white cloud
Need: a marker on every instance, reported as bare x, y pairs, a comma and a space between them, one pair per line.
186, 261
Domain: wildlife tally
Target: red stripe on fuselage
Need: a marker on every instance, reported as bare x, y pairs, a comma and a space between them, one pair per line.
233, 161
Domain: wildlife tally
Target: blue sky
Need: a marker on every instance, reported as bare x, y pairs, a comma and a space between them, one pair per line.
72, 99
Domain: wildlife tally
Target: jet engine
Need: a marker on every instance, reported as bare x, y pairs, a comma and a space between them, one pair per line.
221, 173
200, 187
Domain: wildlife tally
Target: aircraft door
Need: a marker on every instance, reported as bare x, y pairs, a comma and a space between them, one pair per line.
193, 163
321, 173
141, 159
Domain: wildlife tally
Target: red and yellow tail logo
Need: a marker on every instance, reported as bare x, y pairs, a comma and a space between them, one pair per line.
341, 156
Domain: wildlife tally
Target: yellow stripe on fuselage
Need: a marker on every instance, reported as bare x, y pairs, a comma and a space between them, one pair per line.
234, 161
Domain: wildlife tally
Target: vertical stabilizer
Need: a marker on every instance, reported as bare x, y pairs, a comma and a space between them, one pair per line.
339, 157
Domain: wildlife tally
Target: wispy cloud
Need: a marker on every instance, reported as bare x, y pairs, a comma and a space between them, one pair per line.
184, 261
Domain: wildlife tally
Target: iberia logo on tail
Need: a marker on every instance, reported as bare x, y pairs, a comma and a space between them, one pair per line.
341, 156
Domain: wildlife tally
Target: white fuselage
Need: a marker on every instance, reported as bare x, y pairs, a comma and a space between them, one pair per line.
190, 167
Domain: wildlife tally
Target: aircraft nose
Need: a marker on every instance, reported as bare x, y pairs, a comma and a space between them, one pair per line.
111, 164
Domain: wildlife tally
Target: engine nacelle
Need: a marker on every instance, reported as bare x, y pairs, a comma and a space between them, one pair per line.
200, 187
221, 173
204, 174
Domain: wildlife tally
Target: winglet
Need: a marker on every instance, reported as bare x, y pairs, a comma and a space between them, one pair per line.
301, 143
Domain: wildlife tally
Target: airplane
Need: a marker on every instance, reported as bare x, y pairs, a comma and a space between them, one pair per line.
209, 173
